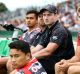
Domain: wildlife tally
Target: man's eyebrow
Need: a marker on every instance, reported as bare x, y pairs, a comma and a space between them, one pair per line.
14, 54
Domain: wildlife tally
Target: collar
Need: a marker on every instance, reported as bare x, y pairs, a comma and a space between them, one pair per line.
53, 25
28, 64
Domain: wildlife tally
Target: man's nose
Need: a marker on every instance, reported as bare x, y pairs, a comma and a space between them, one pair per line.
13, 59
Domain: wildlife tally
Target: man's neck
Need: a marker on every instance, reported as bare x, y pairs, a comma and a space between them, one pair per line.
43, 27
50, 25
31, 28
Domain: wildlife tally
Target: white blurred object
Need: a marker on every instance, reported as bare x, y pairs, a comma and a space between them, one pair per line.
23, 27
15, 33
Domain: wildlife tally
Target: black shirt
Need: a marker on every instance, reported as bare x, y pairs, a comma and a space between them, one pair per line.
61, 36
38, 37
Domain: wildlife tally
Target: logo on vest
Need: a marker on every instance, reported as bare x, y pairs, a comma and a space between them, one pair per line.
55, 37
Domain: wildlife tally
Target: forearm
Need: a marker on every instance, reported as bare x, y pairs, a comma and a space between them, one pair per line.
3, 60
73, 59
41, 54
76, 63
36, 49
76, 57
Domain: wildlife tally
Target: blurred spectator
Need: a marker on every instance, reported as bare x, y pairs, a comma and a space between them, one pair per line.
21, 25
67, 19
77, 20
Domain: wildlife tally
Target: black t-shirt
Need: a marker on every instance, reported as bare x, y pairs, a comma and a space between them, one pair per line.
61, 36
38, 37
44, 39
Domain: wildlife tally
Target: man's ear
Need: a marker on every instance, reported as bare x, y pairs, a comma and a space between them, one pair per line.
28, 56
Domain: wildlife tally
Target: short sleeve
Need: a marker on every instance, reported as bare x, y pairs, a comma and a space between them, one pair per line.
43, 40
58, 36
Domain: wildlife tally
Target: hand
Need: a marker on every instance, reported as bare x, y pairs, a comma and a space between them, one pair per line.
61, 66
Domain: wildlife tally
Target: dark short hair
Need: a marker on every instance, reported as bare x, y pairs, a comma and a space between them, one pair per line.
32, 11
39, 12
20, 45
50, 8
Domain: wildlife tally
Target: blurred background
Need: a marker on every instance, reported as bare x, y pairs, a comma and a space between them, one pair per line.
15, 9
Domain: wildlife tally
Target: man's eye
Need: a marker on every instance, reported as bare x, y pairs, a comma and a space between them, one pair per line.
16, 55
11, 56
26, 17
44, 14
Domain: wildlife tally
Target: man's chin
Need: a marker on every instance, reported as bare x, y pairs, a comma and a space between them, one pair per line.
14, 66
